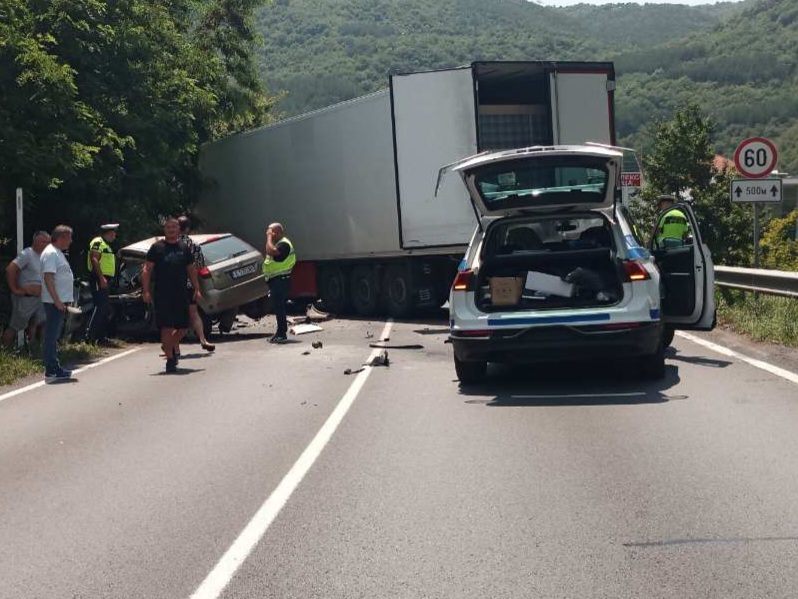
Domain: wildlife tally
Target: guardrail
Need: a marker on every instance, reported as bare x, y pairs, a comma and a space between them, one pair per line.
771, 282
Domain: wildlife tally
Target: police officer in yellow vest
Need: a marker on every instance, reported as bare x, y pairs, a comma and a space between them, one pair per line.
277, 267
101, 262
672, 224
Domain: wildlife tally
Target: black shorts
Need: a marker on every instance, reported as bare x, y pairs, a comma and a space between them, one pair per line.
172, 313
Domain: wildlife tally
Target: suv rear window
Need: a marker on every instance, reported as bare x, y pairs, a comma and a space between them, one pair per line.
561, 179
224, 248
549, 234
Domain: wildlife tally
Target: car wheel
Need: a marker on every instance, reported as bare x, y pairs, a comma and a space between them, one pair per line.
653, 367
227, 320
365, 293
398, 291
333, 289
667, 336
470, 373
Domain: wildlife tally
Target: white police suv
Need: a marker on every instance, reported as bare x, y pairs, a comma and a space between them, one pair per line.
555, 271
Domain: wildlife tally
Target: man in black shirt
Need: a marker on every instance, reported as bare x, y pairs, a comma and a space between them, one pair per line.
173, 265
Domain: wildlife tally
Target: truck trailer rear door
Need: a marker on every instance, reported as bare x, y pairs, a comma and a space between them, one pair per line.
582, 106
434, 123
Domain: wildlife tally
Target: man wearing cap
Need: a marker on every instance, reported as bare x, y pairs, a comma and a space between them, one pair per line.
101, 262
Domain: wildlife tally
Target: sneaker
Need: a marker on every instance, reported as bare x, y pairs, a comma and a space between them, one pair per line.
171, 365
278, 339
57, 377
64, 372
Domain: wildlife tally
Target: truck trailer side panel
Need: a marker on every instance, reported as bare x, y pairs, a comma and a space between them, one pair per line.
328, 176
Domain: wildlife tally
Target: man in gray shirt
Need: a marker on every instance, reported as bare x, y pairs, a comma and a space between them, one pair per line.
58, 292
24, 276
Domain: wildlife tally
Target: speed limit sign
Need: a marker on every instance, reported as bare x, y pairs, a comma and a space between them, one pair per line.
756, 157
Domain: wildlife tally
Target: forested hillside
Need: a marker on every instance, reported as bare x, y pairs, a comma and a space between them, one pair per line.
741, 72
735, 60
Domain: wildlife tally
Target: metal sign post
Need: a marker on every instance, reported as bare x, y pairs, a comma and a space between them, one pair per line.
756, 158
20, 247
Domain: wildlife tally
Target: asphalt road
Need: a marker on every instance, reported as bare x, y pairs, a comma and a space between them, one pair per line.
565, 481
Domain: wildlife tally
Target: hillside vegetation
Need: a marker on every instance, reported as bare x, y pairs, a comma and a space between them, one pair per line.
735, 60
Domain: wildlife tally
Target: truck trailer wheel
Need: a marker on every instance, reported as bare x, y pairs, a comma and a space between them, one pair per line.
398, 291
333, 289
364, 291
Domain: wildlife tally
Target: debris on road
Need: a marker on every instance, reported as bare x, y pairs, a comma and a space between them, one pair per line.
317, 345
306, 352
301, 329
408, 346
350, 371
316, 315
380, 359
369, 335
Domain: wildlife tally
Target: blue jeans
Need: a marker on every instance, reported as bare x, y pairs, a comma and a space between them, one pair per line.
52, 332
279, 289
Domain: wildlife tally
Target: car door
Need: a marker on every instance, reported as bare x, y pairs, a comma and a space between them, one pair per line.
687, 276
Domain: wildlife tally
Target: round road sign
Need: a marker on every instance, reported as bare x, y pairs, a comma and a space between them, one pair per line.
756, 157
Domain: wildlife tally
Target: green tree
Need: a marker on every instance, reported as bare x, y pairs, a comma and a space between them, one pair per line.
680, 162
681, 156
779, 243
104, 105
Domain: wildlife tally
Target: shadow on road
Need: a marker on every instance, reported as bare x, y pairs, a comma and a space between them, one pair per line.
574, 384
673, 354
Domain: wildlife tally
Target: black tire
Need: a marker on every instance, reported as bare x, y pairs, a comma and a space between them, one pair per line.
398, 291
470, 373
334, 290
227, 320
653, 367
364, 291
667, 336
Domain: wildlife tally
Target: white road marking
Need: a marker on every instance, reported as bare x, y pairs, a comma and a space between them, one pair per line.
33, 386
221, 575
781, 372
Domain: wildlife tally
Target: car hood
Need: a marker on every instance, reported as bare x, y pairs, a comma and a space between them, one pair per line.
542, 179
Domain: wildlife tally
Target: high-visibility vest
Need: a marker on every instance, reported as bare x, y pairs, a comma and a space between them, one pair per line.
107, 256
272, 268
672, 224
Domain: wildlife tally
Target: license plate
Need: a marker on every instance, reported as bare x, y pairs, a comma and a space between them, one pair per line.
243, 271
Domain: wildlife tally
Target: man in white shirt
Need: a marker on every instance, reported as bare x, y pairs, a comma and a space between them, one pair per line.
57, 293
24, 277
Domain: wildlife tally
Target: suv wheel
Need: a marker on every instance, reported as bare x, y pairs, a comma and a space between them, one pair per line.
653, 367
470, 373
667, 336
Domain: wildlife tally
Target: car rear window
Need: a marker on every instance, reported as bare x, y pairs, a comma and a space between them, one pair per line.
549, 234
224, 248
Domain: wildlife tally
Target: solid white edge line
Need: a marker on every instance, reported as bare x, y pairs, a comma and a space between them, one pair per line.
33, 386
221, 575
780, 372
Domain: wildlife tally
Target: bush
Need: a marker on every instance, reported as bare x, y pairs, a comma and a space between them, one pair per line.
779, 248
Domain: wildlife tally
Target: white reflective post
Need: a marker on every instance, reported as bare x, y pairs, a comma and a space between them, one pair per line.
20, 247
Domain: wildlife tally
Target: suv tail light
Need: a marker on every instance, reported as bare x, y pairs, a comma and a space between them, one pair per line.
635, 271
204, 272
463, 280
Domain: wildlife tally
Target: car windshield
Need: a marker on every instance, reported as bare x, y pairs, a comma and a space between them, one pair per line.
542, 181
224, 248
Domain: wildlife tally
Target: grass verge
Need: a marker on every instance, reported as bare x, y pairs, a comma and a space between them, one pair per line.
14, 366
764, 318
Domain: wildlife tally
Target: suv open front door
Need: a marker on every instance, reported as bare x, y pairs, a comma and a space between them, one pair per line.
688, 276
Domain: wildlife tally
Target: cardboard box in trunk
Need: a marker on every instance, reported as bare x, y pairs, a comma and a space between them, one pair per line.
506, 291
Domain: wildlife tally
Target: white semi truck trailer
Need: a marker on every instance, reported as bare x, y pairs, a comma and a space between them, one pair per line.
354, 183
